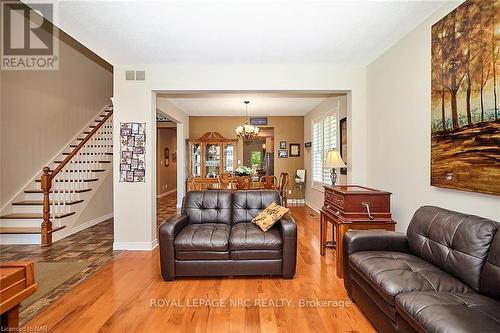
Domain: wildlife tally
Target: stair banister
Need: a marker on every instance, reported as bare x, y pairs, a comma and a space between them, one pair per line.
48, 176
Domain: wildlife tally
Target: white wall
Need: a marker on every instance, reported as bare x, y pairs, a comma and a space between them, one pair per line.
134, 101
314, 197
100, 206
399, 128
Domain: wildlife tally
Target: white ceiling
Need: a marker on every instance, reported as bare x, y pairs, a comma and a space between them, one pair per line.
230, 32
259, 105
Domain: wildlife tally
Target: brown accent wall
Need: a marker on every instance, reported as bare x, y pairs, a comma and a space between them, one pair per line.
289, 129
166, 176
41, 111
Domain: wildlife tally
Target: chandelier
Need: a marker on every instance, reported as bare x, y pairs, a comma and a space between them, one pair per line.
247, 131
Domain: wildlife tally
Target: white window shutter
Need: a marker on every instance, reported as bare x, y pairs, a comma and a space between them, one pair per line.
317, 155
324, 139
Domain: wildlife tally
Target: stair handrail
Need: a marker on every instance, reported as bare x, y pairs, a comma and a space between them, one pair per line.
48, 176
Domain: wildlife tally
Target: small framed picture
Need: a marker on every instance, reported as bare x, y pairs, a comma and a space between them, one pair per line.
294, 149
167, 159
282, 144
282, 153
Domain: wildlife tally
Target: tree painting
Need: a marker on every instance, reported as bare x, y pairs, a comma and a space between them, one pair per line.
465, 110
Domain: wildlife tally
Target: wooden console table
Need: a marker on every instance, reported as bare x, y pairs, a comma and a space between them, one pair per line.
353, 207
17, 282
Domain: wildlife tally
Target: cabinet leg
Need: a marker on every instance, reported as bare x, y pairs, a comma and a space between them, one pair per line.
322, 234
9, 321
341, 230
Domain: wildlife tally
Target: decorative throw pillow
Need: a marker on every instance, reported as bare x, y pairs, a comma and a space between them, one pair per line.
269, 216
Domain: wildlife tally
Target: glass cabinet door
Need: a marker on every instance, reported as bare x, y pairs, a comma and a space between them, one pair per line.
212, 160
195, 151
229, 157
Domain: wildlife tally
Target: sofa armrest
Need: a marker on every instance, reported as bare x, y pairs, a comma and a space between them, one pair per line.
370, 240
375, 240
167, 232
288, 229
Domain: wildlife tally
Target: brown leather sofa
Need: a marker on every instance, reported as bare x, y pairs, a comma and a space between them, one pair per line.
443, 275
213, 236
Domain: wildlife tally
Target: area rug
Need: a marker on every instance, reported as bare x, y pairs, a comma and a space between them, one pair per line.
50, 275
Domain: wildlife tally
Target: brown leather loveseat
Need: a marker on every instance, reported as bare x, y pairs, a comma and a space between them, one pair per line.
214, 236
443, 275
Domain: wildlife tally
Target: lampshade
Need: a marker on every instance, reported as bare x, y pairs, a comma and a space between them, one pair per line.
333, 160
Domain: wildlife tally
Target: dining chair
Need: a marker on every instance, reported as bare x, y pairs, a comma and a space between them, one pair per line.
197, 185
225, 181
268, 182
243, 182
283, 187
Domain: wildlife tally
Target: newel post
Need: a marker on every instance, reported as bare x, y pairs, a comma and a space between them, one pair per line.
46, 184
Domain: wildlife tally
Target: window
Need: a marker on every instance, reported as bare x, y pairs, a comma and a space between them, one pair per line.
324, 139
256, 159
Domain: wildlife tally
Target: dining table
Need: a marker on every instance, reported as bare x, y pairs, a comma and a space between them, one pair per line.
232, 186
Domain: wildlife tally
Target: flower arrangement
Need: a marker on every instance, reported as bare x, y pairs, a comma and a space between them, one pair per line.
243, 171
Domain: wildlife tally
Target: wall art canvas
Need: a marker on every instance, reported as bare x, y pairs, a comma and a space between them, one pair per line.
132, 152
465, 152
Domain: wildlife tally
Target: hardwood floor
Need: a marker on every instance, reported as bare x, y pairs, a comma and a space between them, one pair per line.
128, 294
93, 246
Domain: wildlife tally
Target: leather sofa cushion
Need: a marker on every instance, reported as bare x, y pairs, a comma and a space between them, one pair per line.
490, 277
392, 273
201, 255
248, 236
208, 206
248, 204
203, 237
365, 290
457, 243
256, 254
441, 312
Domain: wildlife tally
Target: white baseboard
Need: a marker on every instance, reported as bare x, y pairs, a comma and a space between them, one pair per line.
164, 194
135, 246
296, 201
91, 223
313, 206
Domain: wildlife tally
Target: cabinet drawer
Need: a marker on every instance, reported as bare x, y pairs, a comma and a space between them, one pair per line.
333, 198
333, 211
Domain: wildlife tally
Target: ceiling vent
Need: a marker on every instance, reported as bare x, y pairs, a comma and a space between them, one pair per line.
135, 75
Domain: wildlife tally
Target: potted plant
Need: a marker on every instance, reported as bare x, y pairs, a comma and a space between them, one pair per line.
243, 171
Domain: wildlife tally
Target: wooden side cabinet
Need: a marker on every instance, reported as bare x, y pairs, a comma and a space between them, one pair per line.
17, 282
353, 207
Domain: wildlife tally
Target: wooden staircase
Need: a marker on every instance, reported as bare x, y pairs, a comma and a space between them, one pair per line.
55, 195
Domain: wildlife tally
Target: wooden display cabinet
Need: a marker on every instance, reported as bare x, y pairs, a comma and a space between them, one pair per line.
209, 156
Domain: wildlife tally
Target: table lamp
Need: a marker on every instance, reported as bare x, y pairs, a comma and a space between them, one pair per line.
333, 161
